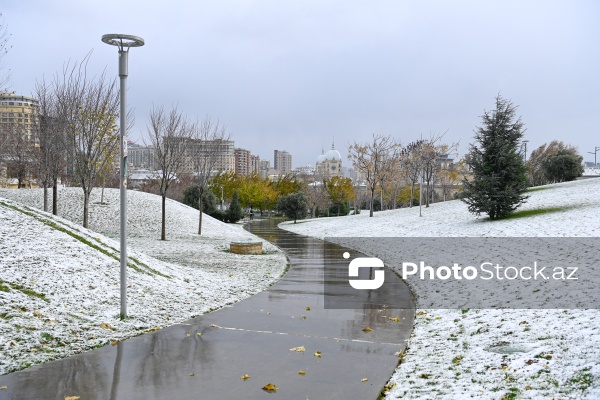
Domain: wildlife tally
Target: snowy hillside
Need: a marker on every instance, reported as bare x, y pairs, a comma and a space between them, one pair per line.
59, 282
483, 353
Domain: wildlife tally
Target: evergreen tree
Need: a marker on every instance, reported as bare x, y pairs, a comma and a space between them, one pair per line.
190, 198
293, 206
234, 213
499, 175
565, 165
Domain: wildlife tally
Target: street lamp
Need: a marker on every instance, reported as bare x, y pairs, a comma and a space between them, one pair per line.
123, 42
221, 197
594, 153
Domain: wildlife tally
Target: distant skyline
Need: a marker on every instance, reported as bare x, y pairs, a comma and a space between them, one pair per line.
296, 74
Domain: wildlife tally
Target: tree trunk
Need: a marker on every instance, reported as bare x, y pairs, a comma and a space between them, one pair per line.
86, 208
371, 202
45, 183
163, 229
102, 193
55, 196
427, 195
200, 207
412, 192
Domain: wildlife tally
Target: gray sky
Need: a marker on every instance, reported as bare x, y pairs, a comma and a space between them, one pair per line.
294, 74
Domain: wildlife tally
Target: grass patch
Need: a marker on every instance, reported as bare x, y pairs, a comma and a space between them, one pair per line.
4, 286
538, 188
134, 264
535, 211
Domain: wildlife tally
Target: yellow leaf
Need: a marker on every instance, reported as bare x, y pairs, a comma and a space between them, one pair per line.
307, 308
298, 349
269, 387
3, 387
71, 397
420, 313
199, 333
104, 325
523, 323
245, 377
528, 387
318, 354
394, 319
37, 314
214, 326
91, 287
301, 372
188, 334
303, 317
364, 379
114, 342
367, 329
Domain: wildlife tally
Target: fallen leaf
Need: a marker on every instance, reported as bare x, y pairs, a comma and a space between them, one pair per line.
301, 372
394, 319
364, 379
528, 387
3, 387
245, 377
303, 317
269, 387
367, 329
199, 333
106, 326
420, 313
91, 287
523, 323
214, 326
114, 342
318, 354
188, 334
298, 349
72, 397
37, 314
307, 308
192, 374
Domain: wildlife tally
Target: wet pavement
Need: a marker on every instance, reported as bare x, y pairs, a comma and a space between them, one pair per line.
205, 358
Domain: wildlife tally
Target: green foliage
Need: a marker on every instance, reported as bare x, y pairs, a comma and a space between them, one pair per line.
234, 213
191, 195
565, 165
499, 176
293, 206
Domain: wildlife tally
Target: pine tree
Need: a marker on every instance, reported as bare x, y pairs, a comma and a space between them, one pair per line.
499, 173
234, 213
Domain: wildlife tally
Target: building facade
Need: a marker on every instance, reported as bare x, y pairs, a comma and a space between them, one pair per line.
282, 162
18, 123
243, 161
328, 165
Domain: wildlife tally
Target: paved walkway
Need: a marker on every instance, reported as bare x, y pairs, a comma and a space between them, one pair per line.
205, 358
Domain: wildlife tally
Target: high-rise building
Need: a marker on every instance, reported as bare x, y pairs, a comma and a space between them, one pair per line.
220, 153
255, 164
18, 121
243, 161
282, 162
141, 157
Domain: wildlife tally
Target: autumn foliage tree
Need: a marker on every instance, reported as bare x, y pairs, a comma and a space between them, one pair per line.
376, 160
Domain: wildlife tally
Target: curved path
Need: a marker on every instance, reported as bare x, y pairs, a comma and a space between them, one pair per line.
205, 358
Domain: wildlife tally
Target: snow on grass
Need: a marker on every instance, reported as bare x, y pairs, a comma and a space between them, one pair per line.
59, 282
483, 353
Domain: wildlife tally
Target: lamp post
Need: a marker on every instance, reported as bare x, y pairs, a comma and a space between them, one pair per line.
221, 197
123, 42
594, 153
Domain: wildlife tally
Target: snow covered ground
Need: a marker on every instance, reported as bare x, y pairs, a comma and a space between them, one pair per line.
489, 353
59, 282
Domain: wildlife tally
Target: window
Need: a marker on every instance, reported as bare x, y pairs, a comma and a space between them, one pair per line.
11, 103
19, 104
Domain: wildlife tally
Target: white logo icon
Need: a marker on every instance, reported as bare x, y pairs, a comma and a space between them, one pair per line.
365, 262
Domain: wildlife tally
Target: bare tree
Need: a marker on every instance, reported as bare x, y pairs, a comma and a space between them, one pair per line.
169, 133
20, 144
89, 108
4, 47
413, 163
376, 160
209, 144
49, 155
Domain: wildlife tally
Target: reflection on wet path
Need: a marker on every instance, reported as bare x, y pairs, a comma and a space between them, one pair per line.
205, 357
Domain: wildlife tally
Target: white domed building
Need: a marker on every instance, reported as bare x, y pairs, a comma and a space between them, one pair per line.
328, 165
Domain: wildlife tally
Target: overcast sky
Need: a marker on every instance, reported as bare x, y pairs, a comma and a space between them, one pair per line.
293, 74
